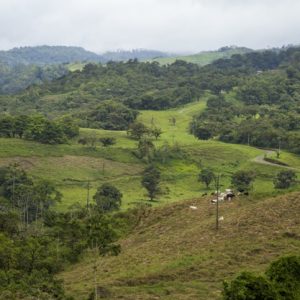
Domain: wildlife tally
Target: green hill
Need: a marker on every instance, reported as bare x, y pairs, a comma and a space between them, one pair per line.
71, 166
205, 57
44, 55
176, 253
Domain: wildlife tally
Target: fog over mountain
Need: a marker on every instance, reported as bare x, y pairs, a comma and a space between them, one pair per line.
173, 26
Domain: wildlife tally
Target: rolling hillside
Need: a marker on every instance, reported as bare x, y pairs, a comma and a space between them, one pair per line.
71, 166
175, 252
205, 57
169, 250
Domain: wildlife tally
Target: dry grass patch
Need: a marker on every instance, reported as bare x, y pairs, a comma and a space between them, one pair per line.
175, 253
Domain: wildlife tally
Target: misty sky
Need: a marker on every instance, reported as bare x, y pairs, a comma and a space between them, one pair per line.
169, 25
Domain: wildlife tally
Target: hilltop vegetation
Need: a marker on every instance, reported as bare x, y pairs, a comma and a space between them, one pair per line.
262, 111
16, 78
45, 55
26, 66
205, 57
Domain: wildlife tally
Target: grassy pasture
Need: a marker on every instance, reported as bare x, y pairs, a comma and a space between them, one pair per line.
71, 166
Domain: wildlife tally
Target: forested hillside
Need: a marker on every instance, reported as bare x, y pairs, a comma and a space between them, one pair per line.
45, 55
25, 66
15, 78
259, 88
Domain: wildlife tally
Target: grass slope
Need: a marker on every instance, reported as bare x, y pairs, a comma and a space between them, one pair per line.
203, 58
175, 252
71, 166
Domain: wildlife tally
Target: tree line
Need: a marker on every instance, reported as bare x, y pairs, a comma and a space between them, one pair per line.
38, 128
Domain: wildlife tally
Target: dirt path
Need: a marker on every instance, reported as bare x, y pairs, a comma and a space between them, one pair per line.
260, 160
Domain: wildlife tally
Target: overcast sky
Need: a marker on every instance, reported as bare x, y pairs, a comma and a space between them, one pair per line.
169, 25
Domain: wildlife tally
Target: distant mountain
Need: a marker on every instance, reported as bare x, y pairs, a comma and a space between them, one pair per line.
22, 67
205, 57
140, 54
44, 55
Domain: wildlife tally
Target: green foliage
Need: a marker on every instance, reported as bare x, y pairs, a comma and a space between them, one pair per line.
111, 116
242, 180
100, 234
284, 179
156, 132
248, 286
137, 130
15, 78
151, 180
285, 273
262, 108
38, 128
205, 57
107, 141
32, 198
206, 176
108, 198
281, 281
145, 149
42, 55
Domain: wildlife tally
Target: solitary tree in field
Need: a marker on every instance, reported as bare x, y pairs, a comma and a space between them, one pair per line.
206, 176
138, 130
156, 132
108, 198
242, 180
151, 180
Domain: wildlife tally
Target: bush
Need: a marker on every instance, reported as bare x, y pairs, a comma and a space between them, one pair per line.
242, 180
108, 198
248, 286
284, 179
285, 273
107, 141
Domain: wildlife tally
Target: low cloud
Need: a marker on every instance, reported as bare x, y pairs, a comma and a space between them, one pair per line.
170, 25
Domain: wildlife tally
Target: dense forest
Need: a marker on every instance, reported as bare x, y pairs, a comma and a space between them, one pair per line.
263, 110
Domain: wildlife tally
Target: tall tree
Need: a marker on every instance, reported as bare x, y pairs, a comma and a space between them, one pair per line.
151, 181
206, 176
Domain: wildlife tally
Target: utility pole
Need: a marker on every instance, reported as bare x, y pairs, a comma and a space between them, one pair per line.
217, 182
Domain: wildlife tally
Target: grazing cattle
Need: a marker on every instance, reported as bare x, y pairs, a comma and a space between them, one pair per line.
227, 195
193, 207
